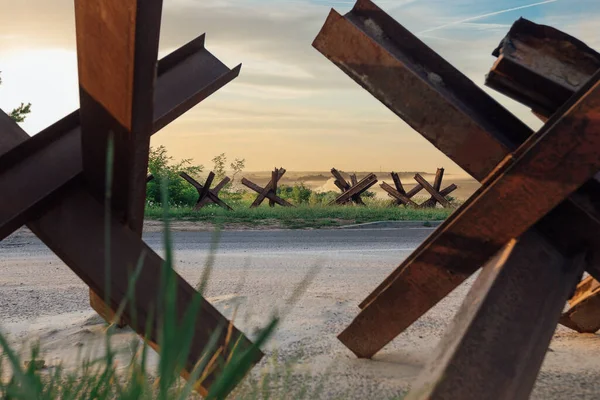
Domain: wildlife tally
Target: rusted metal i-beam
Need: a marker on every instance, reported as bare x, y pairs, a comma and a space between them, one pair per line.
69, 220
192, 72
356, 190
116, 57
496, 343
540, 66
72, 226
390, 62
269, 191
552, 162
532, 61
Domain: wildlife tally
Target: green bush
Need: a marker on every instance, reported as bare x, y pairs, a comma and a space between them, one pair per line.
161, 166
297, 194
322, 198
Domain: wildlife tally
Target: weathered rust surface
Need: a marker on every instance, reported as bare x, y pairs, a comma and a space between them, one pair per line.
419, 86
556, 161
399, 194
191, 67
117, 55
206, 196
497, 341
540, 66
74, 230
106, 312
356, 190
437, 186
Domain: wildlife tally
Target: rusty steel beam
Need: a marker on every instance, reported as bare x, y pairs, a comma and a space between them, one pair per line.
215, 193
393, 65
344, 186
399, 197
556, 161
498, 339
74, 230
267, 191
73, 225
444, 192
205, 190
398, 183
356, 190
540, 66
33, 172
582, 315
432, 191
117, 52
211, 196
191, 71
437, 185
339, 178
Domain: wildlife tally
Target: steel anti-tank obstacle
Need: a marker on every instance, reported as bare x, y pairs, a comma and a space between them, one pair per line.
125, 97
536, 255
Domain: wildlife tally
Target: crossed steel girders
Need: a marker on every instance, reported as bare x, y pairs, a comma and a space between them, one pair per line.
472, 129
126, 97
404, 198
205, 194
351, 192
269, 191
400, 195
539, 66
437, 195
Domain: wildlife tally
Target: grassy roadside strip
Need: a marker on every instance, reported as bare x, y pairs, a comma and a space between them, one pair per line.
300, 217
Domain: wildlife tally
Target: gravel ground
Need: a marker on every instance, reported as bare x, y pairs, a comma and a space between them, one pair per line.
257, 270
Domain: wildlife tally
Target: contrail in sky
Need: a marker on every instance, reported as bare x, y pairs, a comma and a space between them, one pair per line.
488, 15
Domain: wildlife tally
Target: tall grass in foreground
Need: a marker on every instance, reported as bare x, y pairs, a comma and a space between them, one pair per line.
101, 379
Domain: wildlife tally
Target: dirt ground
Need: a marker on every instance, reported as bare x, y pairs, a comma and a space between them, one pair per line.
42, 299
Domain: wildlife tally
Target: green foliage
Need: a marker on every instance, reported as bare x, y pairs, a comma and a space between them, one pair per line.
219, 166
237, 166
162, 167
322, 198
19, 114
298, 193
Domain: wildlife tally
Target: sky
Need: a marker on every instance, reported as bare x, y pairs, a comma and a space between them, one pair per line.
290, 107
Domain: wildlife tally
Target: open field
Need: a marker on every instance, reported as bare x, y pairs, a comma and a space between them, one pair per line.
256, 271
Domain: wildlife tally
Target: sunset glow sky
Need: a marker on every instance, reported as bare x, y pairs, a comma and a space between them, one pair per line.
291, 106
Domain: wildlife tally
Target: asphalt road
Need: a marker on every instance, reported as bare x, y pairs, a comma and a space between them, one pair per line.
256, 272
